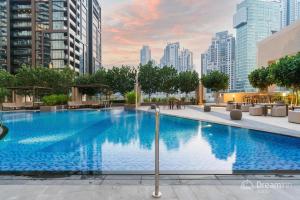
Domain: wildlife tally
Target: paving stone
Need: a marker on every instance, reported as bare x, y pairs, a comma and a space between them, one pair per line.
199, 177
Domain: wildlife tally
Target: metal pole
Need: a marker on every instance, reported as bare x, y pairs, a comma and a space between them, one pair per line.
136, 90
156, 193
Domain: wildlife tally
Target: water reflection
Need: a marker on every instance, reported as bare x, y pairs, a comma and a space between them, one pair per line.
220, 138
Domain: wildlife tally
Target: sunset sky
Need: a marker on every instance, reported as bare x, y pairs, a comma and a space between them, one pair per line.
129, 24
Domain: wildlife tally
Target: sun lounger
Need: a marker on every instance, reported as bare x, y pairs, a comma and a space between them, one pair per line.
74, 104
92, 104
9, 106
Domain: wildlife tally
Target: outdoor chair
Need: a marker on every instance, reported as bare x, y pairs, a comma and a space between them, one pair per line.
294, 116
256, 111
230, 107
278, 111
246, 107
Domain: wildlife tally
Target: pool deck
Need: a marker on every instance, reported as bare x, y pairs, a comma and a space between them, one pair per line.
219, 115
138, 187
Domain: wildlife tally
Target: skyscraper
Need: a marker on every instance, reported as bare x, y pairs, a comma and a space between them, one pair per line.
220, 56
186, 60
4, 32
53, 33
145, 55
254, 20
290, 12
94, 36
181, 60
171, 55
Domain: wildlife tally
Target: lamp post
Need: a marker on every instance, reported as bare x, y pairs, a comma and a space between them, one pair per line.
156, 193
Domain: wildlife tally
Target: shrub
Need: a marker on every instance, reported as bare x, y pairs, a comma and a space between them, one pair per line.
154, 100
53, 100
130, 97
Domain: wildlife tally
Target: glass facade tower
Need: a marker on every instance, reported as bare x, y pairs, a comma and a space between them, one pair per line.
254, 21
290, 12
52, 33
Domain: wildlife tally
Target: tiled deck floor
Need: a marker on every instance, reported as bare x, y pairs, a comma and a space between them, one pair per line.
220, 115
141, 187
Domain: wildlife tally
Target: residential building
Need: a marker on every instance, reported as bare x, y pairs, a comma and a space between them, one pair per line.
290, 12
4, 32
221, 56
254, 21
171, 55
94, 36
186, 60
53, 33
181, 60
145, 55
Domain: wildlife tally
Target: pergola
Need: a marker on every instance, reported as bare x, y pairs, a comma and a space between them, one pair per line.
76, 96
34, 90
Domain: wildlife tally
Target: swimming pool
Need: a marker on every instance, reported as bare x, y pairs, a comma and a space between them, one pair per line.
123, 141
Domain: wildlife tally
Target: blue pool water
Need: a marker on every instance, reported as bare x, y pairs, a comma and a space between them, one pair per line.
121, 140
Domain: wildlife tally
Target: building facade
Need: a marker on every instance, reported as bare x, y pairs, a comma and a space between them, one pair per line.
290, 12
286, 42
221, 56
54, 34
145, 55
254, 21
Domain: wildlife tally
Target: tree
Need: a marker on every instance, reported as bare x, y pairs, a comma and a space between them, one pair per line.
216, 81
260, 78
169, 77
286, 73
149, 78
188, 81
58, 80
6, 79
121, 79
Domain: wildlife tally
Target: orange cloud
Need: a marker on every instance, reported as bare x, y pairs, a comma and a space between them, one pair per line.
130, 24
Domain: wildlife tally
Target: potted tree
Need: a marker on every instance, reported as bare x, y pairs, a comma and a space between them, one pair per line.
260, 78
216, 81
54, 102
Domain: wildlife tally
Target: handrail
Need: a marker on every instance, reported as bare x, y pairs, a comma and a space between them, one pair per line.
156, 193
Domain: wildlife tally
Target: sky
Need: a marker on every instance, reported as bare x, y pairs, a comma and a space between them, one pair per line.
127, 25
